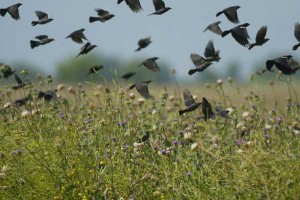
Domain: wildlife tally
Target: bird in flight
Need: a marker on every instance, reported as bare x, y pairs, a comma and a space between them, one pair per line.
160, 7
260, 37
214, 27
134, 5
103, 16
77, 36
42, 40
189, 102
13, 11
142, 88
230, 13
151, 64
240, 34
283, 64
86, 49
297, 36
199, 63
42, 18
143, 43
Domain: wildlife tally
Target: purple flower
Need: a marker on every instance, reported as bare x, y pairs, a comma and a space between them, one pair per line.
188, 174
181, 133
267, 136
181, 143
163, 152
62, 115
122, 124
239, 142
175, 142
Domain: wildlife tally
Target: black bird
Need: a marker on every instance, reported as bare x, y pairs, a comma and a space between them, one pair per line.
42, 18
260, 37
20, 83
240, 34
160, 7
86, 48
142, 88
189, 102
95, 68
214, 27
283, 64
222, 112
199, 63
78, 36
128, 75
134, 5
145, 137
297, 35
231, 14
143, 43
210, 53
151, 64
49, 95
6, 71
207, 110
103, 16
42, 40
22, 101
12, 10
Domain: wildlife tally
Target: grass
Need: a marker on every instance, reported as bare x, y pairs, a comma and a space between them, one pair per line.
87, 146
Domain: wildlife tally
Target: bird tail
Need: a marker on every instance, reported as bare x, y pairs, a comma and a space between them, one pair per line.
138, 49
93, 19
33, 23
132, 86
296, 47
3, 12
219, 13
225, 33
269, 64
181, 112
120, 1
34, 44
192, 71
251, 46
151, 14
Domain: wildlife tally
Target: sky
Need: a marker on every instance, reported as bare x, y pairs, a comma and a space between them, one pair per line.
175, 34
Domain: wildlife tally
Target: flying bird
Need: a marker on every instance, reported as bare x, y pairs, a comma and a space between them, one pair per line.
128, 75
95, 69
103, 16
134, 5
6, 71
151, 64
214, 27
12, 10
210, 53
20, 83
240, 34
42, 18
199, 63
160, 7
42, 40
86, 48
231, 14
189, 102
283, 64
260, 37
142, 88
207, 110
297, 36
77, 36
143, 43
49, 95
22, 101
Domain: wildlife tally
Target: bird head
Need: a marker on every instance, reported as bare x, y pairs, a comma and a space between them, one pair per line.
18, 5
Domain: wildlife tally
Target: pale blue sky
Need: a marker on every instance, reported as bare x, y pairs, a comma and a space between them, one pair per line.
175, 34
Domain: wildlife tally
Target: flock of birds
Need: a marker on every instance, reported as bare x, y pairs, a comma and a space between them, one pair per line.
286, 64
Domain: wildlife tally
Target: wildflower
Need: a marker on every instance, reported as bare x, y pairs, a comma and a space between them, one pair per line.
62, 115
61, 87
230, 80
239, 142
25, 113
122, 124
188, 174
175, 142
163, 152
220, 82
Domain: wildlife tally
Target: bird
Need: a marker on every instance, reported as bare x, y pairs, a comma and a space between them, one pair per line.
48, 95
151, 64
12, 10
86, 48
240, 34
207, 110
143, 43
210, 53
222, 112
160, 7
134, 5
189, 102
20, 83
42, 18
199, 63
95, 68
128, 75
145, 137
103, 16
214, 27
297, 36
42, 40
283, 64
77, 36
231, 14
142, 88
260, 37
22, 101
6, 70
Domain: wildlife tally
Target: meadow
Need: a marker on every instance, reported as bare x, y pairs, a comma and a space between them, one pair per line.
92, 143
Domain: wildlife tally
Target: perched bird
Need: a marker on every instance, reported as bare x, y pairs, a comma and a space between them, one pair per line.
6, 71
151, 64
240, 34
214, 27
231, 14
260, 37
143, 43
134, 5
42, 40
207, 110
86, 48
22, 101
95, 68
189, 102
297, 35
145, 137
42, 18
78, 36
142, 88
283, 64
103, 16
210, 53
12, 10
160, 7
20, 83
128, 75
199, 63
49, 95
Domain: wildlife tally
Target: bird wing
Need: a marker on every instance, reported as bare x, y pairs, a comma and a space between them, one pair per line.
41, 15
142, 88
297, 31
214, 27
84, 47
206, 109
101, 12
209, 49
134, 5
14, 11
261, 34
188, 98
158, 4
41, 37
197, 59
240, 34
231, 14
151, 64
